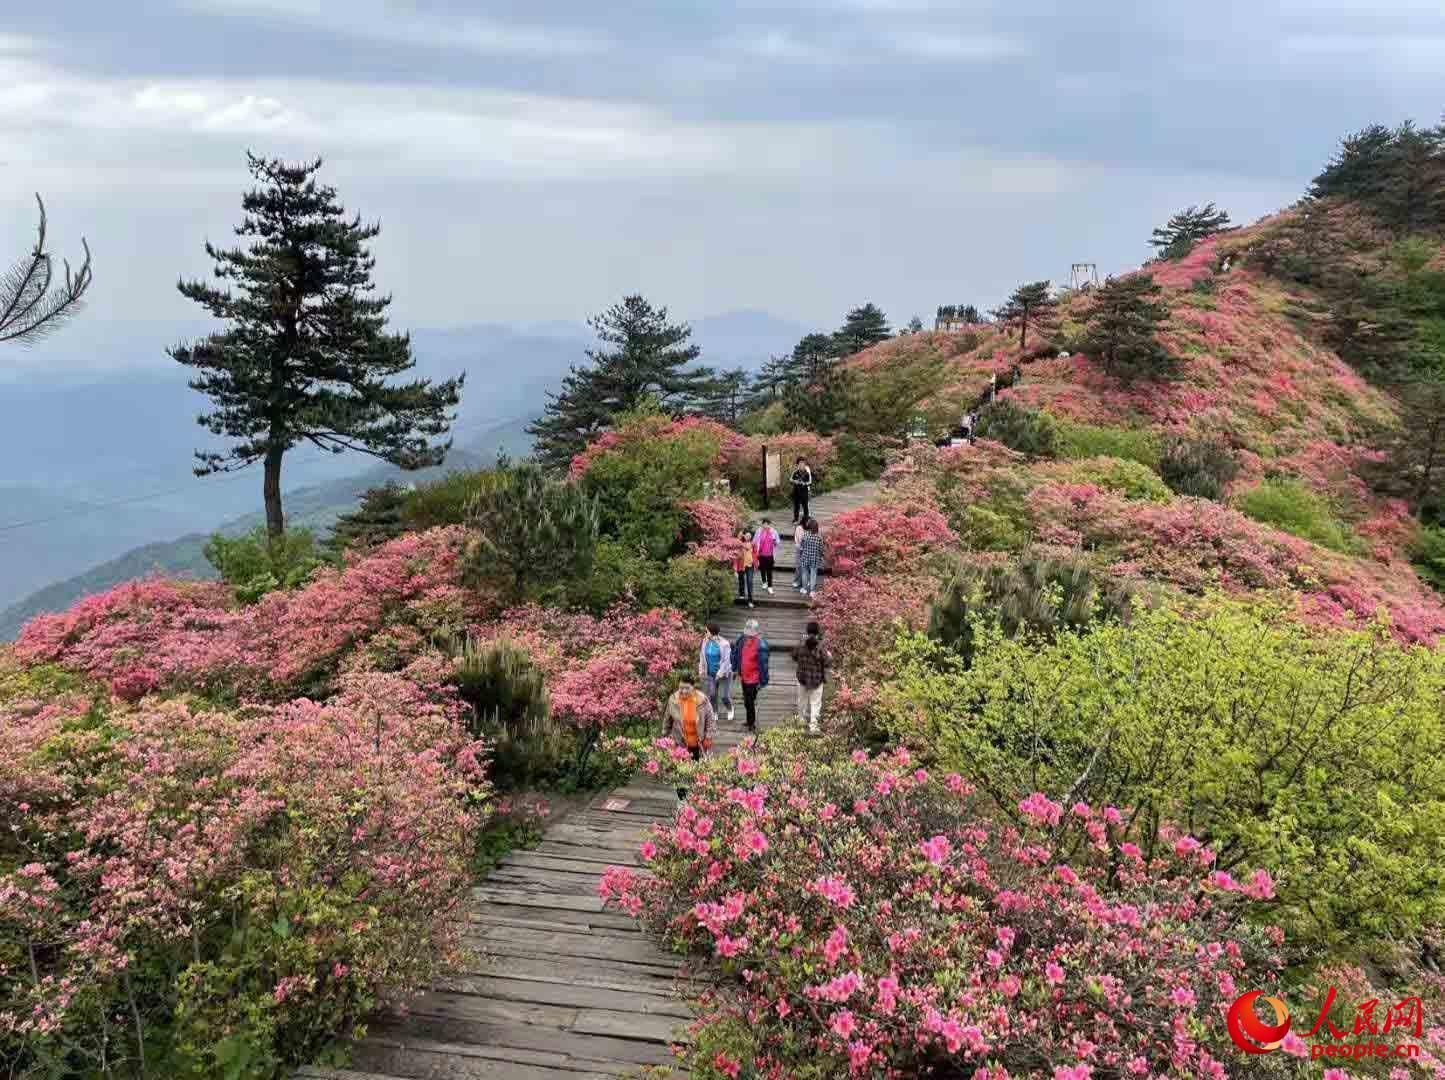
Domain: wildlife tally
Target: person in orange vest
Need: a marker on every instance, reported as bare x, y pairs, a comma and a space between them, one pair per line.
692, 713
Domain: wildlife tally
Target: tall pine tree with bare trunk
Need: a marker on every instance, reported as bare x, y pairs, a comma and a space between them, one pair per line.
306, 357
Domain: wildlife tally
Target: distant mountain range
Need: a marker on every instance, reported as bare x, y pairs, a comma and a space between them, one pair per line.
95, 482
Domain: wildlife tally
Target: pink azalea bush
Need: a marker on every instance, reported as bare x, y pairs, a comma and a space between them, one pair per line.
653, 427
717, 522
221, 886
148, 635
870, 921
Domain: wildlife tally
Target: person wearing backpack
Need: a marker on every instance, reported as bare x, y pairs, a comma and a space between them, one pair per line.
809, 557
715, 669
812, 661
750, 661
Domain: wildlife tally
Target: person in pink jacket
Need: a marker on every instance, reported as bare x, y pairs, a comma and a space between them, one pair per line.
765, 546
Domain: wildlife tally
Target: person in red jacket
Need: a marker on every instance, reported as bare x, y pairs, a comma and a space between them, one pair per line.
750, 661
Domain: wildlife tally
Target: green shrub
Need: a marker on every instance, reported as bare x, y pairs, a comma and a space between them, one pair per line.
855, 459
1428, 555
508, 706
258, 563
1035, 595
1087, 441
1129, 478
444, 501
1289, 505
693, 585
1318, 756
984, 528
618, 574
1193, 465
771, 419
524, 523
1019, 428
640, 487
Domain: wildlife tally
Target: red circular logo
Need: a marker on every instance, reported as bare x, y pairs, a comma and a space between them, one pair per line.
1249, 1032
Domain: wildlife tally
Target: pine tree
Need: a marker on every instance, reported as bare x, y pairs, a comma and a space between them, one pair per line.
811, 355
29, 309
306, 357
915, 325
1121, 327
525, 515
726, 397
648, 357
864, 326
1178, 236
1360, 166
770, 381
821, 403
970, 314
1029, 302
377, 520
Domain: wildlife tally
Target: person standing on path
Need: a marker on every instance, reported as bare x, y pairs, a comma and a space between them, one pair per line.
799, 528
810, 557
750, 661
743, 565
692, 713
715, 669
765, 543
802, 481
812, 661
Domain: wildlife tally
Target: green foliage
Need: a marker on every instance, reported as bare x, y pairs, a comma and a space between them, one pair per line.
1196, 465
725, 397
1399, 173
1128, 478
258, 563
854, 459
1034, 594
1020, 428
445, 501
503, 835
1030, 301
1318, 756
1428, 555
642, 356
863, 326
317, 367
1288, 504
620, 573
377, 520
526, 523
985, 528
1121, 328
885, 400
640, 486
509, 707
771, 419
822, 403
1175, 239
1078, 440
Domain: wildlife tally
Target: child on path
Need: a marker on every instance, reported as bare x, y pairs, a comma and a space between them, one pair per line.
810, 557
743, 565
750, 661
802, 479
693, 715
812, 661
765, 544
715, 669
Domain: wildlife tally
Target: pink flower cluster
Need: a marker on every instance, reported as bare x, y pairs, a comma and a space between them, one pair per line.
146, 635
600, 672
717, 522
159, 833
882, 927
651, 429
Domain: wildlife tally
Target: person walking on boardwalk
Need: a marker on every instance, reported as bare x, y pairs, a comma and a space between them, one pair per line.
810, 557
692, 714
802, 479
812, 661
715, 669
765, 544
750, 661
799, 528
743, 565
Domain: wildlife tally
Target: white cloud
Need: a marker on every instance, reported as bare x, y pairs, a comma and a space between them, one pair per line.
378, 20
943, 45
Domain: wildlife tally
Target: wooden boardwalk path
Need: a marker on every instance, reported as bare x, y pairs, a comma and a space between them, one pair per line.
558, 988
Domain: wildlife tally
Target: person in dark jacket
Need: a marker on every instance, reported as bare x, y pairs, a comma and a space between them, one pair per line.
812, 661
802, 479
750, 664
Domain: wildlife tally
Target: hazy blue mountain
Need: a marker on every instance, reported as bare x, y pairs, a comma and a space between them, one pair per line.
97, 432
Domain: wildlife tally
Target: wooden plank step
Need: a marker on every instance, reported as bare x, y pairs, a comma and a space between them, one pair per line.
430, 1051
580, 1046
503, 988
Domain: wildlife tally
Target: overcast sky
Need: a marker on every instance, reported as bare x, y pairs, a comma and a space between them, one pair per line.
536, 160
